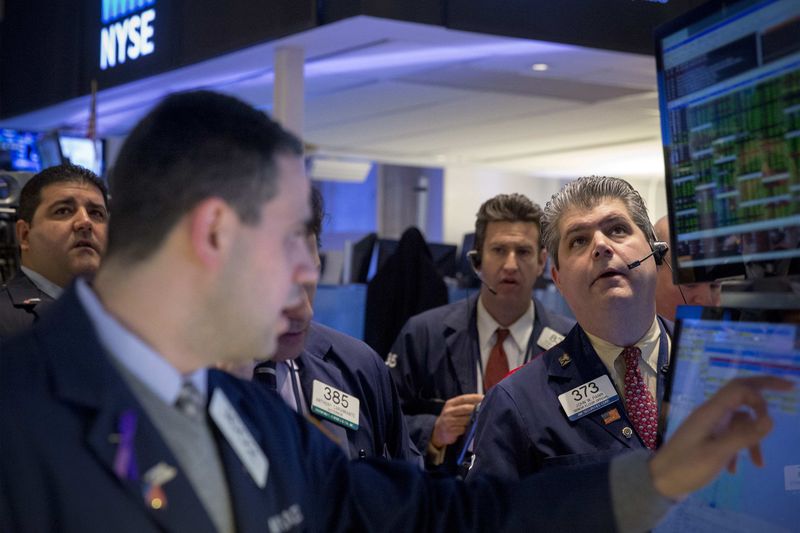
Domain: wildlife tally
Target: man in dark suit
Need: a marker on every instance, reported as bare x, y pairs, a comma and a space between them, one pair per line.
61, 232
110, 420
446, 358
313, 362
593, 229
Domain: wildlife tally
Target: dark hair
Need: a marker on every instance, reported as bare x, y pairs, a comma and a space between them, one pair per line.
504, 208
192, 146
586, 193
317, 215
31, 195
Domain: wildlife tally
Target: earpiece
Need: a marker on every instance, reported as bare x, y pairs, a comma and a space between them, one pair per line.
474, 259
660, 250
475, 263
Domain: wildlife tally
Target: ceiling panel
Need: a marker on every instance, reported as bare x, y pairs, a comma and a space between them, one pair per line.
398, 91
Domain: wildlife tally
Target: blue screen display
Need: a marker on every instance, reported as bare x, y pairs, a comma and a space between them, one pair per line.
18, 150
708, 353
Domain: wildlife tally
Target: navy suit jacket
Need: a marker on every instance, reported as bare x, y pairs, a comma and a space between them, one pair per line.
13, 316
522, 428
435, 358
353, 367
60, 404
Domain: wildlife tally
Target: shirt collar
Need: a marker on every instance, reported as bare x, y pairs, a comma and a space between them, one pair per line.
520, 331
42, 283
648, 344
134, 354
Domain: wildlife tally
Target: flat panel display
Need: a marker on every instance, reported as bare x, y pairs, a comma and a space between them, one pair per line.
18, 150
87, 153
729, 94
712, 346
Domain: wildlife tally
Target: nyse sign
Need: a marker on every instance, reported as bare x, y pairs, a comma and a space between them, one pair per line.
127, 32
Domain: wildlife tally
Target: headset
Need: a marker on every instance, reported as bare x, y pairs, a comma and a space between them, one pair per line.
475, 263
658, 249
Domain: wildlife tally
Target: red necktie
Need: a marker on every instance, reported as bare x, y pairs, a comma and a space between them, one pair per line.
639, 403
497, 365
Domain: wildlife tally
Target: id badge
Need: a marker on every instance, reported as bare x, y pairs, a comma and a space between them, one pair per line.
549, 338
588, 398
335, 405
239, 437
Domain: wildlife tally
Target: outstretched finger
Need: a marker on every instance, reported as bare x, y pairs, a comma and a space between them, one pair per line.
743, 431
756, 456
735, 394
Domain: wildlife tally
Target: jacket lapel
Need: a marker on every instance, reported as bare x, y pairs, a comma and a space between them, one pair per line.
83, 376
462, 345
247, 498
21, 290
581, 365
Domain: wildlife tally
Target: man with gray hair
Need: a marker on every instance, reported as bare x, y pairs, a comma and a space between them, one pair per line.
599, 236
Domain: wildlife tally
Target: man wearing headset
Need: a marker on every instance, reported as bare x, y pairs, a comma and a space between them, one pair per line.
445, 359
600, 239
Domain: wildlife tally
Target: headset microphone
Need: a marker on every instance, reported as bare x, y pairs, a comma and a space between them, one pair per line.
660, 249
473, 263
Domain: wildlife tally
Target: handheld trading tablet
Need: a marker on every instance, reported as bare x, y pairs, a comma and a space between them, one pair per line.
712, 346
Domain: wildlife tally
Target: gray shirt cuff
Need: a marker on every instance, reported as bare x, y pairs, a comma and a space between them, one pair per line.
637, 504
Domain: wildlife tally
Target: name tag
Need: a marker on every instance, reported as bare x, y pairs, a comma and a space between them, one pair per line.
588, 398
549, 338
334, 405
239, 437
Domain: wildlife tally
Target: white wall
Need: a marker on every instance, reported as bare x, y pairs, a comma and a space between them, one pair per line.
654, 194
467, 187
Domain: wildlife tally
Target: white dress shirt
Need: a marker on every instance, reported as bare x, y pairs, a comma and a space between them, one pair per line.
515, 345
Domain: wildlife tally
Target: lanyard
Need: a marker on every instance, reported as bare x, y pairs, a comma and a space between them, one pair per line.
295, 387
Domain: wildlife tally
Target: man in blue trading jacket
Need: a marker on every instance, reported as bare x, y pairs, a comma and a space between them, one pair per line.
594, 228
61, 233
446, 358
111, 421
334, 378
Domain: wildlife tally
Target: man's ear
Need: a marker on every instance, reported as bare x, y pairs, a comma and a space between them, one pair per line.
212, 225
542, 261
23, 229
554, 275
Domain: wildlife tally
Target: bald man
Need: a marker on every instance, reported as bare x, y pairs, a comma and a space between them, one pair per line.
668, 295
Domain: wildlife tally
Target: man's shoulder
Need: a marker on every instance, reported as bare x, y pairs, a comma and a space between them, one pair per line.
348, 352
521, 377
539, 368
252, 394
455, 313
551, 319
